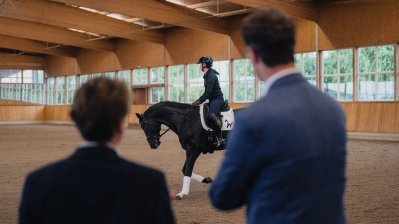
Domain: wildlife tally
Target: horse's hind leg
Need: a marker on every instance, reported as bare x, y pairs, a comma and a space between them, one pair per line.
191, 157
201, 179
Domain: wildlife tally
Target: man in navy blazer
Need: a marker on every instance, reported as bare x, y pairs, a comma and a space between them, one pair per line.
95, 185
286, 155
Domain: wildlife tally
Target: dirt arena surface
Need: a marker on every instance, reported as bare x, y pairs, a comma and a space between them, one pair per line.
372, 193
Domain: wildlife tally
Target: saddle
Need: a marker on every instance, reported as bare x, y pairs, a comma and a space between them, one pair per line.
226, 116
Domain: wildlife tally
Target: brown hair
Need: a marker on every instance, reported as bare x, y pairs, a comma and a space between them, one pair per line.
99, 107
271, 33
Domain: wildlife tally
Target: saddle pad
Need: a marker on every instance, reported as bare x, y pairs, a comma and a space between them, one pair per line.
227, 119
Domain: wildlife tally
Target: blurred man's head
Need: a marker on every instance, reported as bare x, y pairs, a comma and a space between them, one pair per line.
269, 35
99, 109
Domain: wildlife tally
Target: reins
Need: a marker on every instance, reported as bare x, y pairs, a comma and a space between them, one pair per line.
164, 133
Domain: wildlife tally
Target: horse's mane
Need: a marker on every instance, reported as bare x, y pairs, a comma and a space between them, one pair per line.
169, 105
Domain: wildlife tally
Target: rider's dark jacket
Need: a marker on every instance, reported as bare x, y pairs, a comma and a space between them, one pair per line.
212, 86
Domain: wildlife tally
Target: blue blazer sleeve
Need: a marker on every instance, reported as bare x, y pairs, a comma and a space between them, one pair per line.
238, 168
25, 210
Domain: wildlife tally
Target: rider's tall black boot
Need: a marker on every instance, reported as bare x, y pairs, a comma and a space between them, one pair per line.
217, 131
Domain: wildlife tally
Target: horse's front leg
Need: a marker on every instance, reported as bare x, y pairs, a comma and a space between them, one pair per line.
191, 157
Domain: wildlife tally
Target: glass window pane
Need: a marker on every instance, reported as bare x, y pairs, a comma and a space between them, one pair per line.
176, 83
367, 87
330, 86
244, 81
157, 75
50, 90
330, 62
83, 79
345, 61
157, 94
309, 64
124, 76
11, 76
60, 81
367, 60
71, 87
385, 58
305, 63
195, 82
385, 87
110, 75
95, 75
345, 90
33, 76
140, 76
223, 67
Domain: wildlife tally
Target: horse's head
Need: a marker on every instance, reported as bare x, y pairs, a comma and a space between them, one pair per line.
151, 129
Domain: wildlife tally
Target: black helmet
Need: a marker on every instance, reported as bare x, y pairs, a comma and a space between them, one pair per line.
208, 61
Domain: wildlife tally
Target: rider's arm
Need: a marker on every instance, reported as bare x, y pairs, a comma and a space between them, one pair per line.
231, 186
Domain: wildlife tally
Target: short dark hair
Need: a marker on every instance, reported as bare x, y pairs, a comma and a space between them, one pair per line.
271, 33
99, 107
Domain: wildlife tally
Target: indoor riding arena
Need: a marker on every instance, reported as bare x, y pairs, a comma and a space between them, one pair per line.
348, 49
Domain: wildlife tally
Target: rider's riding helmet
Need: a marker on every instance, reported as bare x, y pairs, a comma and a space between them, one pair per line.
208, 61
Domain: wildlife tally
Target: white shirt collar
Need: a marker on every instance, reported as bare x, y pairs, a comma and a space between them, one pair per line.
86, 144
276, 76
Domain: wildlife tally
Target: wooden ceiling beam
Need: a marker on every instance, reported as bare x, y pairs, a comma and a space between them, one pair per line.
59, 14
160, 11
46, 33
304, 10
33, 46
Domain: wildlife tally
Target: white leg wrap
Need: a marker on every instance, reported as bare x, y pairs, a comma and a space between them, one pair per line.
186, 187
197, 177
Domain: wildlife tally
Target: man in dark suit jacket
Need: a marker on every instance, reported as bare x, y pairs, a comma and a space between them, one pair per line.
286, 155
95, 185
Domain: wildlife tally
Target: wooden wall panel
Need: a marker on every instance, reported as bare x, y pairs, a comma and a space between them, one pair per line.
21, 61
57, 113
186, 46
21, 113
305, 35
14, 102
137, 108
388, 117
358, 24
132, 54
59, 66
351, 113
374, 117
237, 43
91, 61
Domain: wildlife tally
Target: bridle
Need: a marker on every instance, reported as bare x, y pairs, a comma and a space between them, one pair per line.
154, 138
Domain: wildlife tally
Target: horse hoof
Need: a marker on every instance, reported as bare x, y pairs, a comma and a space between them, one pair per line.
178, 197
207, 180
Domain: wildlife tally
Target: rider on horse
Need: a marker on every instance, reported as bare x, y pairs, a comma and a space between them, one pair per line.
215, 96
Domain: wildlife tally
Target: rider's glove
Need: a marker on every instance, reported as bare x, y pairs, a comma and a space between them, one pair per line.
196, 103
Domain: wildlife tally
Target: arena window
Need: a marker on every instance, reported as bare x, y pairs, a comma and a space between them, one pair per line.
306, 64
51, 91
223, 67
337, 73
376, 73
110, 75
176, 83
195, 82
125, 77
244, 81
140, 76
71, 88
157, 76
59, 90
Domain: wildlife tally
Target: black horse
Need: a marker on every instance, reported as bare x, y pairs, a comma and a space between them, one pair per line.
184, 120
